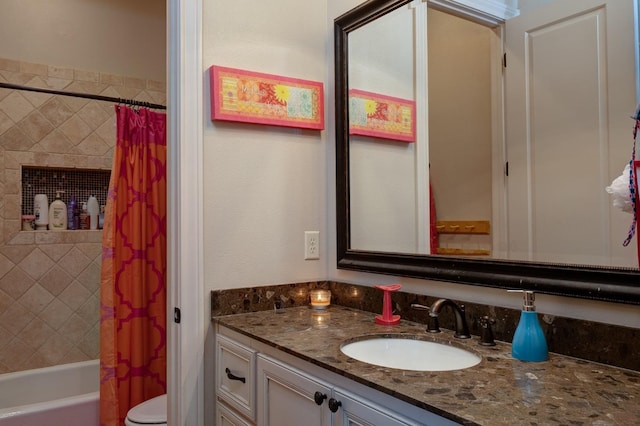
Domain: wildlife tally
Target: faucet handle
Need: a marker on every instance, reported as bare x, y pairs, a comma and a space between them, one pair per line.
486, 336
420, 307
462, 328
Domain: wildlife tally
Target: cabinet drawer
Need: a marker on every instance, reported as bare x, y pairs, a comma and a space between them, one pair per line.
226, 417
235, 376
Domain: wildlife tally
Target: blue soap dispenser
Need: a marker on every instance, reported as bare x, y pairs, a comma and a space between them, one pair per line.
529, 343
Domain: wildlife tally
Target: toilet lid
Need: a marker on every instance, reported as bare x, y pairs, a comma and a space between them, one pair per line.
153, 411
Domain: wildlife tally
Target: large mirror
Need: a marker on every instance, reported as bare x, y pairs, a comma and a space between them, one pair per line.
448, 170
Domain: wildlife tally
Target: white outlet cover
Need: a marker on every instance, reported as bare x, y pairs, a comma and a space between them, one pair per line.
311, 245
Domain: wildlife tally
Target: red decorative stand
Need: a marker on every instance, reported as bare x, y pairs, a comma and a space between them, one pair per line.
387, 317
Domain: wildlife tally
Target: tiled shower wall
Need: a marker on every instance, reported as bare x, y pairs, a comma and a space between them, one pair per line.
49, 281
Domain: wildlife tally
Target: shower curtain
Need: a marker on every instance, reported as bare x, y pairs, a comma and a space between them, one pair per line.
133, 276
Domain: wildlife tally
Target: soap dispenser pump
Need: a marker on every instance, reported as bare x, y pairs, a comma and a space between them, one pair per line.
529, 342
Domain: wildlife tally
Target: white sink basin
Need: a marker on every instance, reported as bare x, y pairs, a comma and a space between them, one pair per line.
410, 354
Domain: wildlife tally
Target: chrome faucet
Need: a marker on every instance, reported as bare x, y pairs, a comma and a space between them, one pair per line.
462, 329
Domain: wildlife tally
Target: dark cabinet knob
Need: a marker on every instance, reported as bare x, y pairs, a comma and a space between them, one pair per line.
319, 397
334, 405
231, 376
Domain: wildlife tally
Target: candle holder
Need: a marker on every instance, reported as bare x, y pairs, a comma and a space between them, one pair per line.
320, 299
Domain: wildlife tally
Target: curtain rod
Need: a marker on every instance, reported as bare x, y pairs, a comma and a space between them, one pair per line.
83, 95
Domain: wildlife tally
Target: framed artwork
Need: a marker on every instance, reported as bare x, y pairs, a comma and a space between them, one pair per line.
252, 97
381, 116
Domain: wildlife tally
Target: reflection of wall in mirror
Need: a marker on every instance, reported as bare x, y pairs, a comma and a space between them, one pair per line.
460, 123
382, 172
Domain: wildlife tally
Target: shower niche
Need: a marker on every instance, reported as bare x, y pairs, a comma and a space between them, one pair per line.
68, 182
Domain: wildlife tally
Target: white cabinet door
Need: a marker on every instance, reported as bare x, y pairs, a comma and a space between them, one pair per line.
354, 411
287, 396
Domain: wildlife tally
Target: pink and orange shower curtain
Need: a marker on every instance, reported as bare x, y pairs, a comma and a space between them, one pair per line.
133, 278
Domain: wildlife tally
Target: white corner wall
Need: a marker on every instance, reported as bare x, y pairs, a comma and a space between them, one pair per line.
263, 185
120, 37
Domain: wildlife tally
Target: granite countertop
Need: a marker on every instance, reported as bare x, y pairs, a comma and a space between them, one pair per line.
499, 390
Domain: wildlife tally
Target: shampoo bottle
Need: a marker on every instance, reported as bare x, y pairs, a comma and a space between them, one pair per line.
93, 210
41, 211
58, 214
529, 343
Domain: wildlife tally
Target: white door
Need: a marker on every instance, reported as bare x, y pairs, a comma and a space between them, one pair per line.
185, 283
570, 90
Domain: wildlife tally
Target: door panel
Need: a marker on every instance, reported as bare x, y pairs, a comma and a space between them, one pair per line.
569, 92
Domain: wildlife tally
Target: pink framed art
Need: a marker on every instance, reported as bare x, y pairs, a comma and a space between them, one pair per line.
381, 116
252, 97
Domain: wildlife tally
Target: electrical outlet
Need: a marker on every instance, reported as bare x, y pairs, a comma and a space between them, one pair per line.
311, 245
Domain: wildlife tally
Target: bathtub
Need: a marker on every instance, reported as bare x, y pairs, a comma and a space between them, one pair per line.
63, 395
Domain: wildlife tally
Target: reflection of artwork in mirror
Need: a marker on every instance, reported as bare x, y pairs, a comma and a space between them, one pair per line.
252, 97
381, 116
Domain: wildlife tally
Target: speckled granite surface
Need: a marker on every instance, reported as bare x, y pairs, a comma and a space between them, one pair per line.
498, 391
593, 341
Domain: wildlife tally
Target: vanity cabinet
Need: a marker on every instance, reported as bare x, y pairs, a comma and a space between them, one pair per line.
280, 390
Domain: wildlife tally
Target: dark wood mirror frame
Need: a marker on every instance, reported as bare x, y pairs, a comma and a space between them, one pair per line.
587, 282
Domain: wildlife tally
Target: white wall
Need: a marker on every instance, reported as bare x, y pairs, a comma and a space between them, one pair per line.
119, 37
525, 5
264, 185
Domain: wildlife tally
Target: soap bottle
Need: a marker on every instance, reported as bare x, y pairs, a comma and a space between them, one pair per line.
72, 214
58, 214
93, 210
529, 342
41, 211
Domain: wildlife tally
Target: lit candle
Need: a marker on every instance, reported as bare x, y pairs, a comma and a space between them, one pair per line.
320, 299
